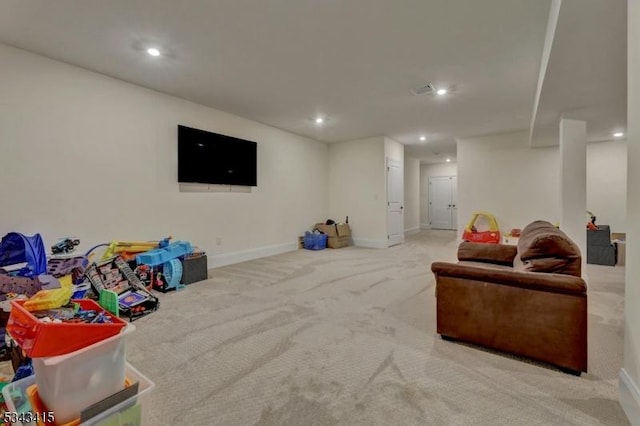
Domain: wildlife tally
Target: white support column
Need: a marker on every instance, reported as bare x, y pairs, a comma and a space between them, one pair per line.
573, 182
629, 383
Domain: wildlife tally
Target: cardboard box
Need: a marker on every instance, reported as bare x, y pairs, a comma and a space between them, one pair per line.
338, 242
343, 229
338, 236
330, 230
622, 252
621, 236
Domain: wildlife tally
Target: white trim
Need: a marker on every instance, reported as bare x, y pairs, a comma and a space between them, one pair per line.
393, 239
203, 187
425, 226
251, 254
452, 197
412, 231
629, 397
362, 242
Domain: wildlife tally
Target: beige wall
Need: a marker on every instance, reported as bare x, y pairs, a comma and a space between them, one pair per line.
85, 155
393, 150
357, 188
411, 194
607, 183
517, 169
501, 174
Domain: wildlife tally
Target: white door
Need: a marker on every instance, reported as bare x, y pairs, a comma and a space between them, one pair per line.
442, 202
395, 202
454, 202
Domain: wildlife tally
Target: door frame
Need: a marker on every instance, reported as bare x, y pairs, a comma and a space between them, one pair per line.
400, 238
452, 207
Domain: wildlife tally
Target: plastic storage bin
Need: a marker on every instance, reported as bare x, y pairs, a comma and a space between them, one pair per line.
39, 339
69, 383
315, 241
17, 398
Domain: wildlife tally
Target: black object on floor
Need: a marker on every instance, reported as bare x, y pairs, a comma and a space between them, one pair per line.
194, 269
600, 249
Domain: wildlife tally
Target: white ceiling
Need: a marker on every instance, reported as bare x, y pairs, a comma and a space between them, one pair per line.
586, 78
282, 63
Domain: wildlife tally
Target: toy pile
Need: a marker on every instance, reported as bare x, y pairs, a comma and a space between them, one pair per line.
121, 279
58, 337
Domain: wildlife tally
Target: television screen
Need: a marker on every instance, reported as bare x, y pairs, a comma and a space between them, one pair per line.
206, 157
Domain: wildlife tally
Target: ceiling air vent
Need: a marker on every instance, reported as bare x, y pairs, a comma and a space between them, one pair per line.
423, 90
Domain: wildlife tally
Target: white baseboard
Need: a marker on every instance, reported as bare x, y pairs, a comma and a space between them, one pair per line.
629, 397
200, 187
425, 226
251, 254
412, 231
363, 242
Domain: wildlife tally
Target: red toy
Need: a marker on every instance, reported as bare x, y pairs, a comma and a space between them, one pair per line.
491, 236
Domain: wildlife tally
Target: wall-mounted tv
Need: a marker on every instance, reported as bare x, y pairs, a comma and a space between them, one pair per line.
206, 157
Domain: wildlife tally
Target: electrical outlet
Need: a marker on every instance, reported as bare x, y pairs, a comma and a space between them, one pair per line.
219, 241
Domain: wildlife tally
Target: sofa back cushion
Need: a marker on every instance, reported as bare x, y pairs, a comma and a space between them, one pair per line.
544, 248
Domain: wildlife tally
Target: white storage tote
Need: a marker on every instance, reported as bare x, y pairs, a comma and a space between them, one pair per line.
67, 384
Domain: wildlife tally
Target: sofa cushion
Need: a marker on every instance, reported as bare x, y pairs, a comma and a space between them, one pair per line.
544, 248
500, 254
485, 265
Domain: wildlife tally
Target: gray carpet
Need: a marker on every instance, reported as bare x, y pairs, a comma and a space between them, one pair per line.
347, 337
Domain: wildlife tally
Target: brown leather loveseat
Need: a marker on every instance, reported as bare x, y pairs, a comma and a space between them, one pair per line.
528, 300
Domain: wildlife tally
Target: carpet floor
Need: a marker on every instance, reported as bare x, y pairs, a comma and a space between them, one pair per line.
348, 337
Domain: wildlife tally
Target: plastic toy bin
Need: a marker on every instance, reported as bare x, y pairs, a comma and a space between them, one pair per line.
39, 339
19, 399
69, 383
315, 241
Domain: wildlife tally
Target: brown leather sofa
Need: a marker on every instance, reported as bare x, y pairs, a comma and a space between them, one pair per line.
528, 300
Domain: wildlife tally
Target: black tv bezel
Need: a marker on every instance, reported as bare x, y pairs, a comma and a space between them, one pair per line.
215, 138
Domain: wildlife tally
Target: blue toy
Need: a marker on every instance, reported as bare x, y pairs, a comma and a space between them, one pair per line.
16, 248
168, 256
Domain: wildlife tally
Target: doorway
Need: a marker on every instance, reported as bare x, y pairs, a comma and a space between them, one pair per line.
395, 202
443, 210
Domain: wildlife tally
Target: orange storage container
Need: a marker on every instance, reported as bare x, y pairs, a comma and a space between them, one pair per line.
40, 339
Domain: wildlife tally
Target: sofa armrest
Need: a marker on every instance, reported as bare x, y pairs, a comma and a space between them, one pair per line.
500, 254
557, 283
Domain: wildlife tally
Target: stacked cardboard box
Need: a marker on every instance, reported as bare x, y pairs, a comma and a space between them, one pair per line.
338, 235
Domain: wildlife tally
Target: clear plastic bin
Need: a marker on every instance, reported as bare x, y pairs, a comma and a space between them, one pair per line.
17, 399
69, 383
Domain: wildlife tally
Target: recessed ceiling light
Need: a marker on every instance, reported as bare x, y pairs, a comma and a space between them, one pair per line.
423, 138
618, 135
442, 92
319, 120
448, 160
153, 51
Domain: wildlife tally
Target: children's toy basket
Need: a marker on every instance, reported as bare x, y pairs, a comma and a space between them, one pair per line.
315, 241
40, 339
489, 236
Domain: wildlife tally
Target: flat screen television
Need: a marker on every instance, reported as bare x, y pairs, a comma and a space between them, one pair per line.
206, 157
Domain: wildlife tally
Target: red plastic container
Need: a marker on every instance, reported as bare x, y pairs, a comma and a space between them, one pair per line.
40, 339
486, 237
